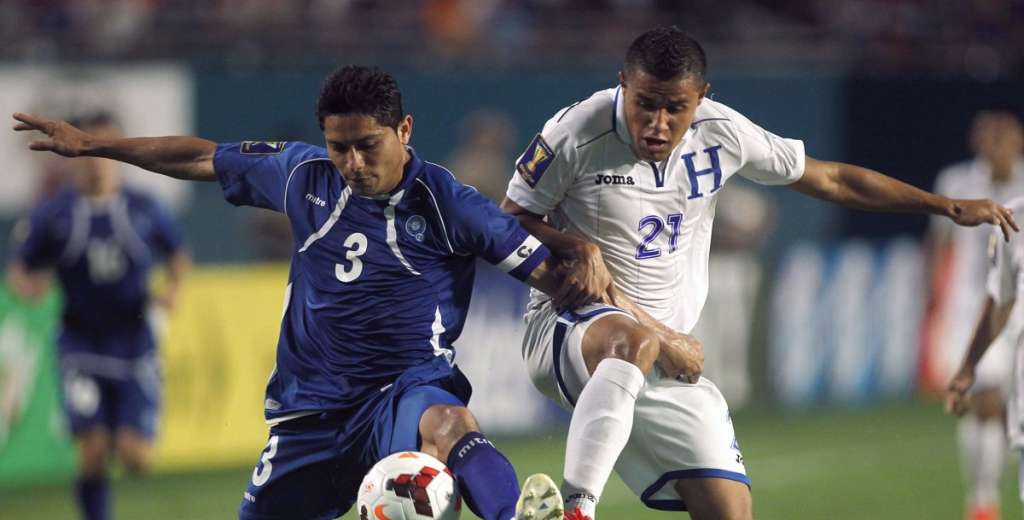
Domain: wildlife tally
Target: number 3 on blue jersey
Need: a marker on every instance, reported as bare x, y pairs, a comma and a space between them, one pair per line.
356, 242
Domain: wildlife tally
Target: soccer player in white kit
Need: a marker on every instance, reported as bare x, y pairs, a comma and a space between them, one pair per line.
1004, 286
628, 180
958, 279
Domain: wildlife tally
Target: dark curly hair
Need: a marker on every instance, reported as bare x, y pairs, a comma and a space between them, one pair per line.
355, 89
667, 53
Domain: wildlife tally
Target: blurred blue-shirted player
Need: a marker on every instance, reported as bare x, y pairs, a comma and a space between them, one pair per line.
102, 239
380, 281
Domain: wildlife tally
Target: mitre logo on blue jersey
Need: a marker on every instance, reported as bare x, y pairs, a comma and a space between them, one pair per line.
537, 157
262, 147
416, 226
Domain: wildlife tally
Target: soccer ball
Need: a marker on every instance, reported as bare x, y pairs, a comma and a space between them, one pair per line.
409, 486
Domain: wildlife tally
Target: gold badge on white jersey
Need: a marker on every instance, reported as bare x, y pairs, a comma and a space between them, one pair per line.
535, 160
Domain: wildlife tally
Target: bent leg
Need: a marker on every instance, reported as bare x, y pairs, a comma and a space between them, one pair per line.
716, 498
616, 353
486, 478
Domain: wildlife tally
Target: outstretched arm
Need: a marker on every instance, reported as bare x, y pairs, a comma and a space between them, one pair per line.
990, 324
186, 158
862, 188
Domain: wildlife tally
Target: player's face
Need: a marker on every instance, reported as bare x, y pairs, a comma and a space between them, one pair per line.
659, 112
93, 175
371, 157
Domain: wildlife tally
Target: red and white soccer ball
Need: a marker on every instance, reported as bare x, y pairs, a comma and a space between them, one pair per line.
409, 486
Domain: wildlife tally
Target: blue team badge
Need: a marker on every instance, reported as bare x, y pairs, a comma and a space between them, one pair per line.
416, 226
262, 147
537, 157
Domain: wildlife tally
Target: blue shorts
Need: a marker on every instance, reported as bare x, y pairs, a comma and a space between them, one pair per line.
312, 466
100, 391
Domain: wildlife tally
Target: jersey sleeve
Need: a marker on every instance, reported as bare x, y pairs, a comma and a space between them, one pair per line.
255, 173
767, 158
33, 240
545, 171
479, 228
1001, 282
167, 236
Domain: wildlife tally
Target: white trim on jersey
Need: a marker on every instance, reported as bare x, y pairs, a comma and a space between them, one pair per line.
284, 204
333, 219
392, 239
440, 217
125, 232
438, 328
514, 258
81, 217
278, 420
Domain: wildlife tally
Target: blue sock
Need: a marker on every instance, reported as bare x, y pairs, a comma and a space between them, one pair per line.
486, 478
91, 494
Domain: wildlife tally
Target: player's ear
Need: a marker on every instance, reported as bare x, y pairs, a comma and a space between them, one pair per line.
704, 92
622, 79
404, 129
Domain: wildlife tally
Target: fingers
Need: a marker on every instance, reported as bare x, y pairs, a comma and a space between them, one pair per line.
1008, 216
42, 146
30, 122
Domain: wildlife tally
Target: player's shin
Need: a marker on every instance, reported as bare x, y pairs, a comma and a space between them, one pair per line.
599, 429
92, 494
486, 478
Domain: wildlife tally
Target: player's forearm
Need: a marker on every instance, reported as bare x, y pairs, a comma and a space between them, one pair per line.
990, 325
543, 278
28, 285
563, 245
178, 266
862, 188
180, 157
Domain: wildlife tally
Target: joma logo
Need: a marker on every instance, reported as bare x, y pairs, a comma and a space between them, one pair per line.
614, 179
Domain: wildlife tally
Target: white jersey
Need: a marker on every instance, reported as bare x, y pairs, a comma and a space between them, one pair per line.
967, 263
651, 221
1005, 284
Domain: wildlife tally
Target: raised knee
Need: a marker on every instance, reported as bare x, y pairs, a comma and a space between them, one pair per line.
635, 344
443, 425
135, 462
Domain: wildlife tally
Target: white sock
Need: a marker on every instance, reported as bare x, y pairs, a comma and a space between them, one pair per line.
983, 455
598, 431
992, 459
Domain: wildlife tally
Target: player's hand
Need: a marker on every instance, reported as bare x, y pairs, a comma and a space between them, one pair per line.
585, 278
166, 300
957, 402
681, 357
983, 211
61, 137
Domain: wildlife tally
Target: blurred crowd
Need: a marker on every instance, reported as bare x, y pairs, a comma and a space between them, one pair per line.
976, 38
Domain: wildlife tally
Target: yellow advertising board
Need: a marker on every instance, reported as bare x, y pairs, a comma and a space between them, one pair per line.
218, 351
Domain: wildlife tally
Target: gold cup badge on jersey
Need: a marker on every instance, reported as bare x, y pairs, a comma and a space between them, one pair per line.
535, 160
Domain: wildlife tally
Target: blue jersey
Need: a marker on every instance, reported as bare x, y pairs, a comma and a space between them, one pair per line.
102, 252
377, 285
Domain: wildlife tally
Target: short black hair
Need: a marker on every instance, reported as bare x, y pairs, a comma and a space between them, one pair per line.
356, 89
667, 53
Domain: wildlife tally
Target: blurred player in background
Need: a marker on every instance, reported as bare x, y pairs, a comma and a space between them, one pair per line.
958, 269
636, 170
1004, 285
380, 283
102, 239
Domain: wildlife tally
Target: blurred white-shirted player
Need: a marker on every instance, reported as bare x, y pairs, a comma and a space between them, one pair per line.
630, 178
958, 280
1004, 286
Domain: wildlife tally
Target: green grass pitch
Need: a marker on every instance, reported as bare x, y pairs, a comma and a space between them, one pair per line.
891, 462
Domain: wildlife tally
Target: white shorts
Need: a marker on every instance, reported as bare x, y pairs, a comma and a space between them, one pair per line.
680, 430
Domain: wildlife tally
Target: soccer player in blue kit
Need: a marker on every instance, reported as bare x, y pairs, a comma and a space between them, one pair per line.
380, 282
102, 239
